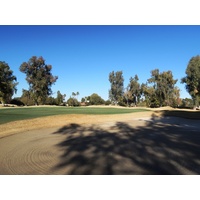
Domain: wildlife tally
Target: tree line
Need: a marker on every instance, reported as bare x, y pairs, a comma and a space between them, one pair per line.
159, 90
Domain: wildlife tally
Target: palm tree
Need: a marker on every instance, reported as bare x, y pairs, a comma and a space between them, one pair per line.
77, 94
73, 94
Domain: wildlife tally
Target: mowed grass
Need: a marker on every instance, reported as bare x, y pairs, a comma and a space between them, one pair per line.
14, 114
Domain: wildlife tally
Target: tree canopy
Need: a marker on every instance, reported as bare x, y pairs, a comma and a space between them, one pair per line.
95, 99
7, 83
134, 89
159, 90
39, 78
60, 98
117, 86
192, 79
163, 84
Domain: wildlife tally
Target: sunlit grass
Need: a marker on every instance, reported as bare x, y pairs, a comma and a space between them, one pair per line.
14, 114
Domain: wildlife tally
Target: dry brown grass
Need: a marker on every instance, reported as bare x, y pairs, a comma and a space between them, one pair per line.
61, 120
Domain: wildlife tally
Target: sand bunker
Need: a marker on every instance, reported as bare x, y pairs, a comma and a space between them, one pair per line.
136, 143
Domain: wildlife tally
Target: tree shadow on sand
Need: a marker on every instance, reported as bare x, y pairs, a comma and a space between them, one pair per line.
158, 146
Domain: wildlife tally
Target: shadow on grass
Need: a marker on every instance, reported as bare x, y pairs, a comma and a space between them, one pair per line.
190, 114
157, 146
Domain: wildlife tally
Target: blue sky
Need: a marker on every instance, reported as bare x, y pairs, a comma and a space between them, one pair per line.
83, 56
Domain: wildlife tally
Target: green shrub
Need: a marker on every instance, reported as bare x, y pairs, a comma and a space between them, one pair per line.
17, 101
107, 103
72, 102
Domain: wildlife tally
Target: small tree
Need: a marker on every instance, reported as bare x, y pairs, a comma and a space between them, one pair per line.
83, 100
60, 98
73, 102
7, 83
107, 102
95, 99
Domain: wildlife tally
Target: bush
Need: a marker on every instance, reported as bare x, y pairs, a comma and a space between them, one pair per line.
142, 104
187, 103
51, 101
122, 102
154, 103
107, 103
72, 102
95, 99
17, 101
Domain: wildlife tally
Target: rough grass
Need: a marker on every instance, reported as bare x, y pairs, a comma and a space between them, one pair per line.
15, 114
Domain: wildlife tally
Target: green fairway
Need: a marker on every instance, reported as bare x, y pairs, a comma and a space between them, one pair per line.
14, 114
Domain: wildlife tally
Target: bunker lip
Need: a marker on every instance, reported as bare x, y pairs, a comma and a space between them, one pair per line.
61, 120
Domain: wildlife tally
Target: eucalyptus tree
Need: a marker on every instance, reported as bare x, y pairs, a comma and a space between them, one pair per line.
26, 95
134, 89
117, 86
163, 84
60, 98
149, 93
175, 100
7, 83
192, 79
39, 78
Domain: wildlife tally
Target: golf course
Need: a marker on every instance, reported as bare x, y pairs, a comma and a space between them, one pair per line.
99, 140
